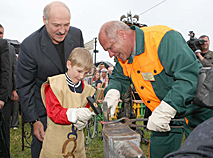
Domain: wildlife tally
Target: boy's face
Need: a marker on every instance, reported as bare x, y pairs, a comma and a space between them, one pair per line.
76, 73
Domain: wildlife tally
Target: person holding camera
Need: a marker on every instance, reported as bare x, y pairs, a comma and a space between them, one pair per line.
206, 56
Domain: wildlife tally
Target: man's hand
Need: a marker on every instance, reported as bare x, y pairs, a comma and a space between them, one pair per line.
14, 95
161, 117
112, 98
38, 130
199, 56
1, 104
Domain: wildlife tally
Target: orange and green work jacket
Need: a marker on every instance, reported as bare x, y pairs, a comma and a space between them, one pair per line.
163, 68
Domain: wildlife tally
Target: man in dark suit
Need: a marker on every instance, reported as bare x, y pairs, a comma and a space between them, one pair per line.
4, 81
12, 102
4, 72
43, 54
7, 109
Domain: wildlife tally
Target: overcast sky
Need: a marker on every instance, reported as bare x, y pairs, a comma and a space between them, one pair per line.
22, 17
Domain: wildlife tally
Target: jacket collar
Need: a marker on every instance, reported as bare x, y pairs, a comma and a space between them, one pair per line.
140, 42
49, 49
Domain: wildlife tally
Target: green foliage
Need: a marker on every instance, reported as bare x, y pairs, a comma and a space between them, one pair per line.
95, 148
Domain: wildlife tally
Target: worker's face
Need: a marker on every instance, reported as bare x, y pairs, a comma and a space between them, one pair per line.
117, 47
205, 46
1, 32
58, 23
76, 73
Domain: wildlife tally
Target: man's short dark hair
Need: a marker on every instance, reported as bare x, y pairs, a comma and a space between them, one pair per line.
1, 26
203, 36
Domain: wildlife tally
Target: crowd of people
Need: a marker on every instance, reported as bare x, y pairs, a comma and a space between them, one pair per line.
101, 75
49, 81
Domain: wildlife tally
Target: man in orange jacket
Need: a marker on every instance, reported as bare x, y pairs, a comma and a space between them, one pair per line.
164, 71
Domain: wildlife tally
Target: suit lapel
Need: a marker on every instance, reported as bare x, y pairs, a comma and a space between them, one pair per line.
49, 49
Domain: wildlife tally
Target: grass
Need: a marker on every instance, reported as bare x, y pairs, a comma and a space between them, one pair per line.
93, 150
16, 143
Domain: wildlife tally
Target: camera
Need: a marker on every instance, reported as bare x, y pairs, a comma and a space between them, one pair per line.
194, 43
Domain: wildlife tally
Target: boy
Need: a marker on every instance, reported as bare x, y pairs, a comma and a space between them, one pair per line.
65, 99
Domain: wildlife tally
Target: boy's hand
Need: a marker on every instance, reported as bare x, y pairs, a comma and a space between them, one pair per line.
80, 125
83, 114
79, 117
71, 115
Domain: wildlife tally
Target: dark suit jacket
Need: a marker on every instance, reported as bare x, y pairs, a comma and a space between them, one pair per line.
38, 59
12, 57
4, 70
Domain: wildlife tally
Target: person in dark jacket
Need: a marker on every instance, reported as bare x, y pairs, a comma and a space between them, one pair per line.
4, 81
43, 54
12, 95
4, 72
198, 144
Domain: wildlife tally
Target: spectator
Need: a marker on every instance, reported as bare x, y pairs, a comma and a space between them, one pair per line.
104, 77
12, 104
89, 78
15, 105
101, 66
65, 99
98, 82
98, 69
164, 73
206, 56
4, 82
12, 94
44, 54
110, 69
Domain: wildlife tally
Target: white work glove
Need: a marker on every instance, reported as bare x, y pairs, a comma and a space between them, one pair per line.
79, 116
80, 125
112, 98
161, 117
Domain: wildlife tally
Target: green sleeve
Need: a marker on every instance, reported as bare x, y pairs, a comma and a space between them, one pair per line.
117, 80
180, 63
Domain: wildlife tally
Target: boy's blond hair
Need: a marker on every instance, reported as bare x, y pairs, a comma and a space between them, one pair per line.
81, 57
